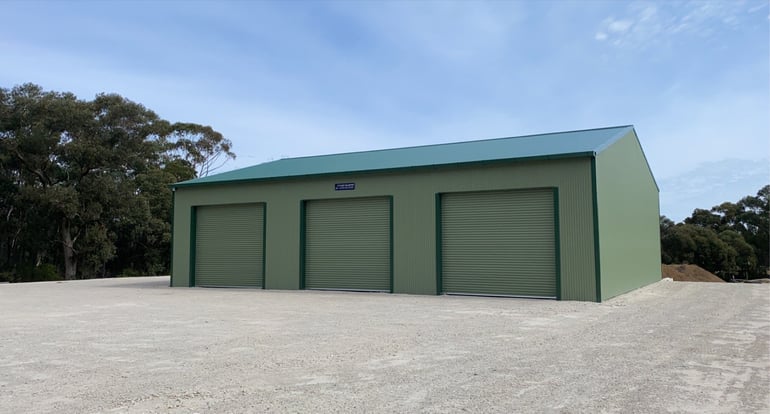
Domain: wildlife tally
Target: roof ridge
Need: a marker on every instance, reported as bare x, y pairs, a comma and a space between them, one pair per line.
447, 143
550, 145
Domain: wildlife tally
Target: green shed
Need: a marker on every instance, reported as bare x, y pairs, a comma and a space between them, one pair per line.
567, 215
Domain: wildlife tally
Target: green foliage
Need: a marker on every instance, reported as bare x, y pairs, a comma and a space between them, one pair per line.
203, 148
85, 184
129, 272
754, 215
745, 261
688, 243
730, 240
43, 273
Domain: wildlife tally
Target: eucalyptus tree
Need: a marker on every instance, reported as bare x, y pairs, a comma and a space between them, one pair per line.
84, 183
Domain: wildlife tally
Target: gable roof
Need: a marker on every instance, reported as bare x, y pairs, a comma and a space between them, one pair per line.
581, 143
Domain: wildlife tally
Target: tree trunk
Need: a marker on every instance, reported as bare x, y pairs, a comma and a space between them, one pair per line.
70, 263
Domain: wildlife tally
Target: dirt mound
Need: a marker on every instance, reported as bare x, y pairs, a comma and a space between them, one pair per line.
689, 273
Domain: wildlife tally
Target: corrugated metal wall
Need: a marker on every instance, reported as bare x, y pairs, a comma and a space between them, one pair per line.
414, 217
628, 213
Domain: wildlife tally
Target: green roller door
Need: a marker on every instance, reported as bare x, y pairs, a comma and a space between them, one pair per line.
499, 243
229, 242
348, 244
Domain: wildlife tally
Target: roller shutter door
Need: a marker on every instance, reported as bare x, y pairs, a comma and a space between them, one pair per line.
347, 244
229, 245
499, 243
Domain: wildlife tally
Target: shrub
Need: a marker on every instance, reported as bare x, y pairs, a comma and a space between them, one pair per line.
43, 273
6, 277
130, 272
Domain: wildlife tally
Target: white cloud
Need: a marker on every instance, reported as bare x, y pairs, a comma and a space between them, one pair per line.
619, 26
452, 31
710, 184
646, 25
600, 36
758, 7
686, 131
648, 13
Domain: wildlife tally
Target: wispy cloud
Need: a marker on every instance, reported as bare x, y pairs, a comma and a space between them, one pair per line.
645, 24
723, 124
613, 27
618, 26
444, 30
710, 184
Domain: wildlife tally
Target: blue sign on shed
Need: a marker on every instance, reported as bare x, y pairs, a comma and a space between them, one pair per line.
344, 186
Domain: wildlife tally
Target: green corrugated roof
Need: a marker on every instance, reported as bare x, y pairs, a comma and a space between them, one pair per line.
553, 145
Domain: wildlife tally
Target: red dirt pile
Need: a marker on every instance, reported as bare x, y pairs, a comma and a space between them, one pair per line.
689, 273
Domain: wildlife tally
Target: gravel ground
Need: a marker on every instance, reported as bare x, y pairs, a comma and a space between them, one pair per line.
136, 346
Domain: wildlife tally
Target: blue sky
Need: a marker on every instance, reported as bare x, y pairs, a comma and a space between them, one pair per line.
285, 79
